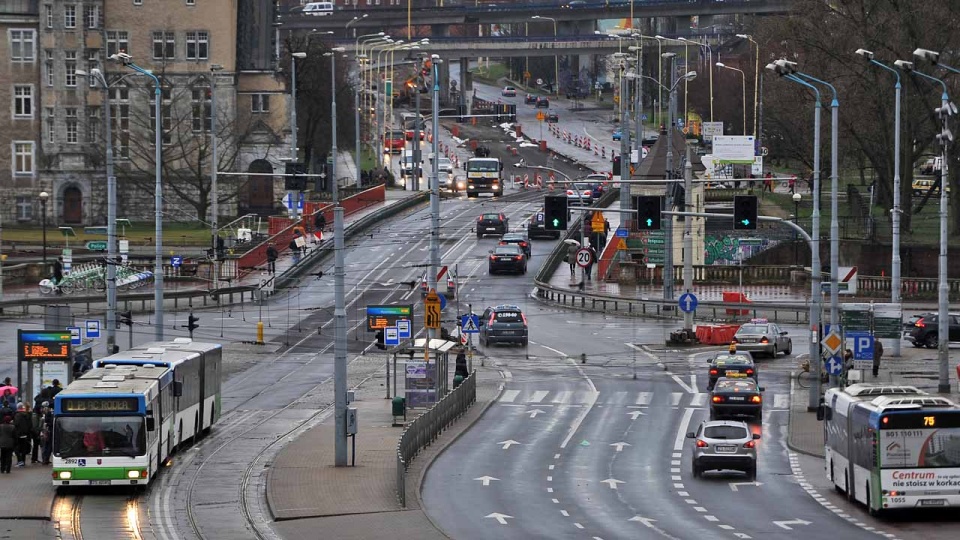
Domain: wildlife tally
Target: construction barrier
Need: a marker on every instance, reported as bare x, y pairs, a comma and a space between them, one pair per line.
736, 297
716, 334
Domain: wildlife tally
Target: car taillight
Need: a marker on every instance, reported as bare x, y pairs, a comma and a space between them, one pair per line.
523, 244
491, 319
755, 399
919, 324
524, 319
493, 257
749, 372
717, 399
714, 372
749, 444
569, 192
702, 443
517, 258
764, 340
734, 340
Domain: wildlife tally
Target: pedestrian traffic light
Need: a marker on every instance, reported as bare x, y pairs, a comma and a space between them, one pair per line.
380, 340
125, 318
555, 212
192, 323
744, 212
648, 212
293, 181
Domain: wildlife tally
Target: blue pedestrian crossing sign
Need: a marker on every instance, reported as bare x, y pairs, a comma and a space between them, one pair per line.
688, 302
834, 365
391, 336
470, 324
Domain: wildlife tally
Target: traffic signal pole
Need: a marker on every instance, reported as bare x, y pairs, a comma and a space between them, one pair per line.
688, 238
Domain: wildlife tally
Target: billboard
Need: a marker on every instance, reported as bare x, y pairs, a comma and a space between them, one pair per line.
711, 130
734, 149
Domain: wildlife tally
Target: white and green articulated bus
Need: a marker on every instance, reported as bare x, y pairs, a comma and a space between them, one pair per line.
120, 422
892, 447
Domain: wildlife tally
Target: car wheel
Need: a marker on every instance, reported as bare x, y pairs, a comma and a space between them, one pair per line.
789, 350
774, 355
931, 341
696, 470
752, 473
525, 342
490, 271
479, 236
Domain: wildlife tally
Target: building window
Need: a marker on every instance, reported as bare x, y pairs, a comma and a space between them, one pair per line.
23, 45
191, 2
48, 14
24, 208
117, 41
70, 68
198, 45
48, 70
91, 16
260, 103
23, 158
120, 117
70, 16
72, 124
164, 45
93, 124
201, 110
93, 60
50, 121
167, 121
22, 101
137, 2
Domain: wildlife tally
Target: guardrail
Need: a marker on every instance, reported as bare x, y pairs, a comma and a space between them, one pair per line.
425, 428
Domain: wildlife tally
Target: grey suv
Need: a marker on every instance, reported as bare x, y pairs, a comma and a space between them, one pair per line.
722, 445
503, 324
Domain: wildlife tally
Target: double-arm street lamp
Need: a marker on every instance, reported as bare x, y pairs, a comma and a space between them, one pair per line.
743, 82
709, 63
895, 213
353, 21
556, 58
757, 86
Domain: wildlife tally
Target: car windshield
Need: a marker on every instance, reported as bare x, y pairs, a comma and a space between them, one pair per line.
753, 329
483, 166
731, 359
396, 135
508, 316
99, 436
507, 249
491, 217
512, 238
736, 386
725, 432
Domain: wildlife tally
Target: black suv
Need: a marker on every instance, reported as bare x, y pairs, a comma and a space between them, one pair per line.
492, 224
738, 365
519, 239
503, 324
925, 330
538, 227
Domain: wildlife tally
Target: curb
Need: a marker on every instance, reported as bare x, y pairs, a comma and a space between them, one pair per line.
790, 445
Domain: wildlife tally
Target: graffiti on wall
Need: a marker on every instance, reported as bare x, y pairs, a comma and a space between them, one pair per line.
723, 250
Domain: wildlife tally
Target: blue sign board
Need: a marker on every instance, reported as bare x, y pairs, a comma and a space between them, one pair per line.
834, 365
75, 335
403, 329
391, 336
443, 301
643, 117
863, 347
300, 201
176, 261
470, 324
288, 201
92, 326
622, 233
688, 302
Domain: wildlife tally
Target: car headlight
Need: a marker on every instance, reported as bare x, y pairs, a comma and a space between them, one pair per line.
65, 475
133, 474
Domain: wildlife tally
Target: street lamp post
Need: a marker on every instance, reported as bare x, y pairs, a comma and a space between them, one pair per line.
556, 58
743, 80
43, 219
756, 82
158, 195
796, 215
214, 192
895, 213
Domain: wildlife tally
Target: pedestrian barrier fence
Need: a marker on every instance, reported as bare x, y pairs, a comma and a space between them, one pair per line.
425, 428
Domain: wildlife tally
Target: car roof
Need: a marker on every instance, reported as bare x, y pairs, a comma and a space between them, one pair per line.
514, 236
735, 383
504, 307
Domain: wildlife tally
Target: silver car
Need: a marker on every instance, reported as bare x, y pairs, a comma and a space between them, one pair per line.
724, 445
762, 336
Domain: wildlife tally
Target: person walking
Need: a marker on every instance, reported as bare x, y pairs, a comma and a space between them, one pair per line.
46, 434
7, 442
58, 273
593, 259
877, 355
572, 259
294, 250
272, 256
36, 427
22, 426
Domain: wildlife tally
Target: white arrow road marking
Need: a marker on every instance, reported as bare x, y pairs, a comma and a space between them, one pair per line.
535, 412
502, 518
486, 479
786, 524
646, 521
685, 386
620, 445
507, 444
733, 485
612, 482
635, 414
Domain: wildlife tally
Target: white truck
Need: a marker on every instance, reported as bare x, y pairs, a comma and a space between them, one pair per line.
484, 175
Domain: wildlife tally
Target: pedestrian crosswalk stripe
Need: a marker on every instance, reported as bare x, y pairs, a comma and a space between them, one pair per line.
675, 398
619, 398
563, 396
781, 401
538, 396
509, 395
643, 398
699, 399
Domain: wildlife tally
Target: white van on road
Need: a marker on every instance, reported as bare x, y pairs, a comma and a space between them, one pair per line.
318, 8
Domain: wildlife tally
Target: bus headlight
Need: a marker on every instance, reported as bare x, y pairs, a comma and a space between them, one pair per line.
133, 474
65, 475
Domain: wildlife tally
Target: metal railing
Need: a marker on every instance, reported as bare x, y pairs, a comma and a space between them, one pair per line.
425, 428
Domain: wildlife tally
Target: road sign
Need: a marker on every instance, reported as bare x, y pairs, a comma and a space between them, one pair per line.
443, 301
832, 341
750, 241
584, 258
97, 245
597, 222
391, 336
621, 233
75, 335
92, 327
688, 302
540, 116
403, 328
266, 283
442, 271
863, 348
539, 81
470, 324
176, 261
431, 308
834, 365
643, 117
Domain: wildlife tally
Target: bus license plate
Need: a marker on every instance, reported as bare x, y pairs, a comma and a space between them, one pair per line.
933, 502
726, 449
99, 482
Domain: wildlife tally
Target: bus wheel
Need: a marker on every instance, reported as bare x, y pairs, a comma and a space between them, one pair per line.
872, 511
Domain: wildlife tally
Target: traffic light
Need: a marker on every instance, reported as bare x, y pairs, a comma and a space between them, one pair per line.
192, 323
125, 317
616, 166
648, 212
744, 212
293, 182
380, 341
555, 212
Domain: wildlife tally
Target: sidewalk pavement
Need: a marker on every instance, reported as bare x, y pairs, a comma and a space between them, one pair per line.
306, 493
915, 367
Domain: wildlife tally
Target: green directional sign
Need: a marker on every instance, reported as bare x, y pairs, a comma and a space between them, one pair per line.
97, 245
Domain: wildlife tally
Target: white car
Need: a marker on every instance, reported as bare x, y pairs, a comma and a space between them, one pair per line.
444, 165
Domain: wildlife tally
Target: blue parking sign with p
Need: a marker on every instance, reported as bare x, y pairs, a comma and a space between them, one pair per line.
862, 347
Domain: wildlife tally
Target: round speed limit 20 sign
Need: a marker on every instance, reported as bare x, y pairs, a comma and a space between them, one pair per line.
584, 258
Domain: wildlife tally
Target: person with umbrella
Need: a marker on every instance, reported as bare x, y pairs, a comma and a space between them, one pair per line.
572, 248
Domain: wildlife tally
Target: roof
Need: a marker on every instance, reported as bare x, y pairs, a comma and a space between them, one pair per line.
117, 380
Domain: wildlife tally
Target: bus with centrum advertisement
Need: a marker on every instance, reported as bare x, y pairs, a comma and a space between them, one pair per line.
121, 421
892, 447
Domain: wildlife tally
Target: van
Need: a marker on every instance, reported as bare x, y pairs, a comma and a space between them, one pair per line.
318, 8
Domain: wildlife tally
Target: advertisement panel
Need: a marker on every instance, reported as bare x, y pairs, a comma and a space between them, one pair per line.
734, 149
915, 448
711, 130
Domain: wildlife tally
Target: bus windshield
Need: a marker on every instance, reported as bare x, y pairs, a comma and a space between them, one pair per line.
99, 436
912, 448
483, 166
